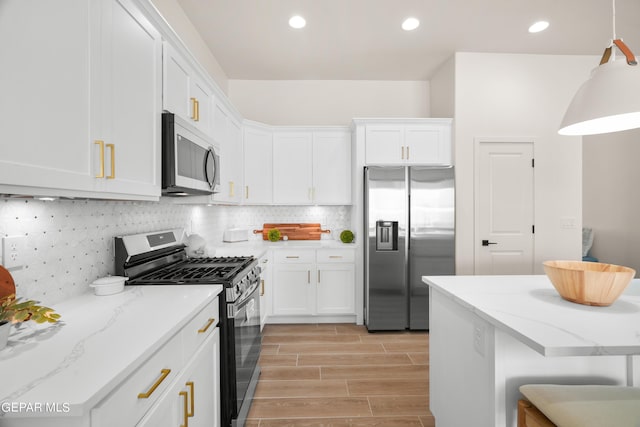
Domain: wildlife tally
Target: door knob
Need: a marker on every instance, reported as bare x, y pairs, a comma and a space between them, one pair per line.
487, 243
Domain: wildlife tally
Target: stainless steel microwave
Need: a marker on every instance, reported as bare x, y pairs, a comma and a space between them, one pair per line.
190, 164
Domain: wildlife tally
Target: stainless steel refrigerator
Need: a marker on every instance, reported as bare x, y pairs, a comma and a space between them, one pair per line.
410, 224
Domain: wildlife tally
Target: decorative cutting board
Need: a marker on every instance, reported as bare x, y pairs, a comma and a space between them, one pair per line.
302, 231
7, 286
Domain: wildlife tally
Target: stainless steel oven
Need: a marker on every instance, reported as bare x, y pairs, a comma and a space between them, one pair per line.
160, 258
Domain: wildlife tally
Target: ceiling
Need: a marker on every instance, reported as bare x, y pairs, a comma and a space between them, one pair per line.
362, 39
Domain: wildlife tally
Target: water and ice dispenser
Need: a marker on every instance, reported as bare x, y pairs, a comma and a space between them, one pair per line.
386, 235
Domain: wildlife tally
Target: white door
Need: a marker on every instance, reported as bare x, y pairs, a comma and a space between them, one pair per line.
504, 208
332, 168
292, 164
294, 289
384, 145
335, 289
258, 184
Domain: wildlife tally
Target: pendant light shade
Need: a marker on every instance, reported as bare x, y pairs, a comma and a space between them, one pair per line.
608, 102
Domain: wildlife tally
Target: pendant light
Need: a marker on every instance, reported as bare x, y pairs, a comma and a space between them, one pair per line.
610, 100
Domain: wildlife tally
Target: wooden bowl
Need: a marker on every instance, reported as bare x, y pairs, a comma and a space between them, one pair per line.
589, 283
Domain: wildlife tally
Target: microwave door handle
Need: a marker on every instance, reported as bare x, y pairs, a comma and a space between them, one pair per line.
210, 158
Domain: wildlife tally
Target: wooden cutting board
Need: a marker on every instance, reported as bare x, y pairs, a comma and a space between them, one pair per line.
294, 231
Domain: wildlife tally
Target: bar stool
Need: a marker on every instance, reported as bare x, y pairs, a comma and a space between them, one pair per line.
548, 405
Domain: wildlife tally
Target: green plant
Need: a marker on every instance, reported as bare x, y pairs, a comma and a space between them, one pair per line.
346, 236
273, 235
14, 311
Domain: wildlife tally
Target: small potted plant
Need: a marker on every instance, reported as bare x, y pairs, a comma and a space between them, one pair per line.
12, 310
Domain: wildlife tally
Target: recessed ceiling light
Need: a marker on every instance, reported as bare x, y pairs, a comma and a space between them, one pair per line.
538, 26
410, 24
297, 22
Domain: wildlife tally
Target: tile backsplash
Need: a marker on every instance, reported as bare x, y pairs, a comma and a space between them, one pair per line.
69, 243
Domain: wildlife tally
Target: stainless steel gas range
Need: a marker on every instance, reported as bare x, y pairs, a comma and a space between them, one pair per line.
160, 258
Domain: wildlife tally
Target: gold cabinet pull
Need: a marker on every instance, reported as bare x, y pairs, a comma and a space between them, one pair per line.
318, 276
402, 155
246, 192
101, 145
309, 276
193, 108
148, 393
335, 256
261, 287
192, 399
231, 188
197, 110
205, 327
407, 152
292, 256
186, 408
113, 161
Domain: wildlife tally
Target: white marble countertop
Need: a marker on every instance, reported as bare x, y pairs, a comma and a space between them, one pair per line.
258, 247
102, 340
530, 309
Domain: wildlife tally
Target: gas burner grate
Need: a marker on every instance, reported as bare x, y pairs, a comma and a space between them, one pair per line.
184, 273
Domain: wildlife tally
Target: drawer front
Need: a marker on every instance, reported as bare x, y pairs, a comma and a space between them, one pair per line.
294, 257
199, 328
133, 398
335, 255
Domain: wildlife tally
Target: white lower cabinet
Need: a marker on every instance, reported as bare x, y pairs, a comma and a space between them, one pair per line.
178, 385
311, 285
193, 399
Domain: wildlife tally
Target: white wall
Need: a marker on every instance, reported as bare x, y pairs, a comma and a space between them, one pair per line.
327, 102
177, 19
521, 96
610, 179
442, 88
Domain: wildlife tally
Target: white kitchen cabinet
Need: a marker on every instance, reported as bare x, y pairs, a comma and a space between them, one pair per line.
184, 93
332, 168
258, 167
294, 289
335, 288
311, 285
427, 143
228, 134
292, 168
89, 76
193, 399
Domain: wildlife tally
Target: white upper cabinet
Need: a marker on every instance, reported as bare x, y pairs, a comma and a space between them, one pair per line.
292, 168
258, 166
81, 101
312, 167
425, 143
184, 93
228, 134
332, 167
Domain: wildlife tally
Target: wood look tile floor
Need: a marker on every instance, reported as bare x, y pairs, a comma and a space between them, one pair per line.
340, 375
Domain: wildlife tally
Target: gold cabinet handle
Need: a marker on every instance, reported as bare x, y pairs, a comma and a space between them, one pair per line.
309, 276
335, 256
407, 152
193, 108
113, 161
402, 155
262, 287
148, 393
292, 256
205, 327
231, 188
197, 110
101, 145
186, 408
246, 192
192, 400
318, 276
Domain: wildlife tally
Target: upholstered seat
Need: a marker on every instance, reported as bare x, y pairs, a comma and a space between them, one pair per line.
580, 406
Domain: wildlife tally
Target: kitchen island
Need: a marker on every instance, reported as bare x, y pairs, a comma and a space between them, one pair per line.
491, 334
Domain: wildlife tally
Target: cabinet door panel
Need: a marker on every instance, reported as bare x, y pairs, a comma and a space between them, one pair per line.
44, 82
427, 145
132, 101
332, 168
292, 168
384, 145
294, 289
335, 289
258, 167
176, 82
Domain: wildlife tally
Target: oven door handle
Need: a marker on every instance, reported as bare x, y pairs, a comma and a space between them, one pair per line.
234, 308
